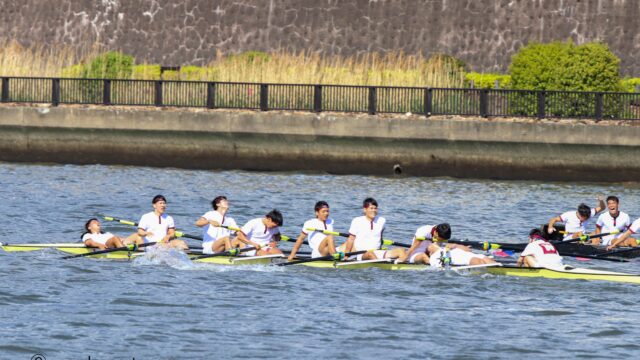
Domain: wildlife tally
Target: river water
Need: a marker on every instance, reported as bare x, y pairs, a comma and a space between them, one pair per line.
172, 309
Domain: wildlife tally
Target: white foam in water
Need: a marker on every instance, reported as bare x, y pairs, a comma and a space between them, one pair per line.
164, 256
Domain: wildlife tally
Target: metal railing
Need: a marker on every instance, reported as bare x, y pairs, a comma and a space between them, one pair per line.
318, 98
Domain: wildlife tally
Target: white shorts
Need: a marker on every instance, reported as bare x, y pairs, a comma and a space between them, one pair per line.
458, 257
253, 252
380, 254
206, 247
412, 258
315, 253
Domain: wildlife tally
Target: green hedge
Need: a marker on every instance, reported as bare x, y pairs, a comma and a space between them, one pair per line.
488, 81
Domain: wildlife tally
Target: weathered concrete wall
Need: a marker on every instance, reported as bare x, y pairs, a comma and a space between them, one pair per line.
343, 144
484, 33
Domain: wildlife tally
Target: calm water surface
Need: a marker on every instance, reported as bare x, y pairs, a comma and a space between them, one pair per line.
169, 308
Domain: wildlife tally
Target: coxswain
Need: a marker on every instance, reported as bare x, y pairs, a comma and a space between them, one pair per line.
217, 227
320, 243
539, 253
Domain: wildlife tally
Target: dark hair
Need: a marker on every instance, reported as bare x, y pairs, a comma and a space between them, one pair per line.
216, 201
444, 231
614, 198
584, 210
368, 202
86, 227
158, 198
275, 216
321, 204
538, 233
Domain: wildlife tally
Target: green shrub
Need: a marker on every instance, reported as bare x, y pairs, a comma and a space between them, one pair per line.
631, 84
488, 81
191, 72
110, 65
146, 72
565, 66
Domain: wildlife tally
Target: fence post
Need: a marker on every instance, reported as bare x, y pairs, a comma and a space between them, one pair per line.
541, 101
428, 101
372, 100
158, 86
484, 103
106, 92
5, 89
599, 106
264, 97
317, 98
211, 95
55, 92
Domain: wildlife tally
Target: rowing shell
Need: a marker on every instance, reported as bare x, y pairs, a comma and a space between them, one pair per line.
509, 270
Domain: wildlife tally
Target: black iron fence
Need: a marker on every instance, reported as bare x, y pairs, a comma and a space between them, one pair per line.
318, 98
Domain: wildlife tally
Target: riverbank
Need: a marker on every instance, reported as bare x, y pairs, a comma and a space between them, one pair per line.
407, 145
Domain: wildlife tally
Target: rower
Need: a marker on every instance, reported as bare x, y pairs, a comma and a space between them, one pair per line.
216, 234
626, 239
539, 252
574, 220
157, 226
613, 220
441, 253
262, 233
321, 244
418, 253
94, 237
365, 233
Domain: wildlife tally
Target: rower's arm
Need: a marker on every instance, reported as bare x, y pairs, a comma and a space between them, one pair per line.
243, 238
297, 245
553, 221
171, 234
619, 240
93, 244
349, 244
202, 222
601, 205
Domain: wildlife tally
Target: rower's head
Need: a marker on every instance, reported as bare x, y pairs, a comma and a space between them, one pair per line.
370, 208
537, 234
273, 219
220, 202
442, 232
93, 226
322, 210
613, 204
584, 212
159, 203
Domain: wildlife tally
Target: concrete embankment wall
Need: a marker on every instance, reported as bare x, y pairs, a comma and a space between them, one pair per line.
341, 144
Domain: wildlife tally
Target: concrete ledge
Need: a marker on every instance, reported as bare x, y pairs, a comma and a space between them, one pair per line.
343, 144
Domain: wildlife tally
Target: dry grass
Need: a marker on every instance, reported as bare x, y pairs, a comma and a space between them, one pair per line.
393, 69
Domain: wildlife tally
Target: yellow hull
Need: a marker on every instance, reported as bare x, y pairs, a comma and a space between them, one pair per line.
33, 247
360, 265
239, 260
571, 273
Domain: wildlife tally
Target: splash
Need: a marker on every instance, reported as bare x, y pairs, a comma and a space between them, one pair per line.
164, 256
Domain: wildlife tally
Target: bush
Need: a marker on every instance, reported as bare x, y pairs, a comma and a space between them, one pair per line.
110, 65
488, 81
565, 66
146, 72
631, 84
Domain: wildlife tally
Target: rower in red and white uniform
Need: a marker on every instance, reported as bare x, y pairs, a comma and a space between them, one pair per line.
440, 252
321, 244
574, 220
366, 232
262, 233
626, 239
95, 238
611, 221
157, 226
217, 238
539, 253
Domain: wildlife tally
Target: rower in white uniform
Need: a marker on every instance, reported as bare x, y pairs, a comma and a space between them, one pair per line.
320, 243
626, 239
95, 238
216, 233
262, 233
539, 253
157, 226
574, 220
418, 253
613, 220
441, 253
366, 232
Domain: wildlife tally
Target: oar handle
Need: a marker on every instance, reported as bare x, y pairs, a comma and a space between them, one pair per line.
586, 237
130, 247
233, 252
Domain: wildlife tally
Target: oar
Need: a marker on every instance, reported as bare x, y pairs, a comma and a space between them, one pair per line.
133, 223
130, 247
321, 258
619, 251
585, 237
232, 252
336, 233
